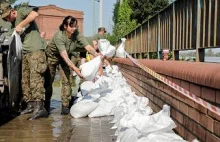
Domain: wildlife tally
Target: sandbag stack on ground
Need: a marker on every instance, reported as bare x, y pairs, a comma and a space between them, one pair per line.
133, 120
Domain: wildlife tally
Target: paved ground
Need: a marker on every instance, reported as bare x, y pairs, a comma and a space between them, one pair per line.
57, 128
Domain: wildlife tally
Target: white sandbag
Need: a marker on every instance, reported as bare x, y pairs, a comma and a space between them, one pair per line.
120, 52
159, 122
127, 135
106, 48
103, 109
18, 45
161, 137
90, 69
110, 51
83, 108
86, 87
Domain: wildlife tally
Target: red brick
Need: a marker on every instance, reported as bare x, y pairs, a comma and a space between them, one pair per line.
179, 117
193, 114
217, 93
160, 103
181, 130
153, 83
210, 124
208, 94
151, 97
51, 16
180, 96
173, 113
203, 120
167, 89
195, 89
162, 96
160, 85
183, 108
189, 102
189, 136
186, 121
199, 132
200, 108
217, 128
184, 84
175, 103
213, 115
168, 100
176, 81
191, 124
211, 138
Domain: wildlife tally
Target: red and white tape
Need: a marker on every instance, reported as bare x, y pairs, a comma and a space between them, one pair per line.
176, 87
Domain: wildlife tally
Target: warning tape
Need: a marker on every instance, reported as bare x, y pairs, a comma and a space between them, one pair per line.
176, 87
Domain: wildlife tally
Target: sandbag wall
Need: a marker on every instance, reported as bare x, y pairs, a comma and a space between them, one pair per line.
202, 79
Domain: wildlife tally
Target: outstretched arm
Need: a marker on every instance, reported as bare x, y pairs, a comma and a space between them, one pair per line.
65, 57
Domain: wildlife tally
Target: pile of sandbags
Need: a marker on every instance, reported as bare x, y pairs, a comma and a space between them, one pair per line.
133, 120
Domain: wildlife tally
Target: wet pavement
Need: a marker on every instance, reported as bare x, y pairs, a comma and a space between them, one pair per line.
57, 127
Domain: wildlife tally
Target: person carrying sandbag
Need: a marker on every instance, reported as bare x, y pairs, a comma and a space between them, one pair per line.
59, 47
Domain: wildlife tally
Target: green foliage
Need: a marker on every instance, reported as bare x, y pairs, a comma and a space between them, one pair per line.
122, 23
145, 55
144, 9
9, 1
111, 38
24, 4
170, 55
154, 55
115, 12
183, 57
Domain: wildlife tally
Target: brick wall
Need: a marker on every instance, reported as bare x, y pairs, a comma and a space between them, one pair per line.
50, 17
192, 120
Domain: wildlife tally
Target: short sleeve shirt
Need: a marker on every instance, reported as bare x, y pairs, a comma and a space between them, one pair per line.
79, 47
97, 37
30, 37
61, 42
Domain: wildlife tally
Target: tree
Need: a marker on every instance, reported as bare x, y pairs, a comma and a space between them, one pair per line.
144, 9
9, 1
122, 23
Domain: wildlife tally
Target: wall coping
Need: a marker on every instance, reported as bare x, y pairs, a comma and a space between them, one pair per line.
206, 74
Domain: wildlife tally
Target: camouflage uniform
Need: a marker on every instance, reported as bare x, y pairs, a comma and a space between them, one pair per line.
57, 44
33, 64
34, 59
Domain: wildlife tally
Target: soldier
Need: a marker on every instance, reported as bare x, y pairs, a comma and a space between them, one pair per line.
34, 60
100, 34
58, 51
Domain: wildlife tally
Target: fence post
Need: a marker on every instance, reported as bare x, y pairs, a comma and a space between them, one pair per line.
148, 44
200, 52
141, 50
175, 53
158, 39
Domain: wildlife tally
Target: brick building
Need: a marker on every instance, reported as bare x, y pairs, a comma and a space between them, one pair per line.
51, 16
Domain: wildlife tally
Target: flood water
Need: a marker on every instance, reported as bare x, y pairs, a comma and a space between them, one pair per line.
57, 127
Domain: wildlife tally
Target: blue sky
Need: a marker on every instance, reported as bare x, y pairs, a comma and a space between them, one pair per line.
87, 7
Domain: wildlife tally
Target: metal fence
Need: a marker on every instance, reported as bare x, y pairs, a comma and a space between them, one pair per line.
183, 25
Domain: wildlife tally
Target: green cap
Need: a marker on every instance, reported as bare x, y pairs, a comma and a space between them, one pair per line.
5, 9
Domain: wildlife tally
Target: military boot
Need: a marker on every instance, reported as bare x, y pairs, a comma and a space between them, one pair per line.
47, 105
65, 110
39, 111
29, 109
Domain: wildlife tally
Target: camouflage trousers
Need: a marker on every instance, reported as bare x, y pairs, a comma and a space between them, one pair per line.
56, 62
34, 66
